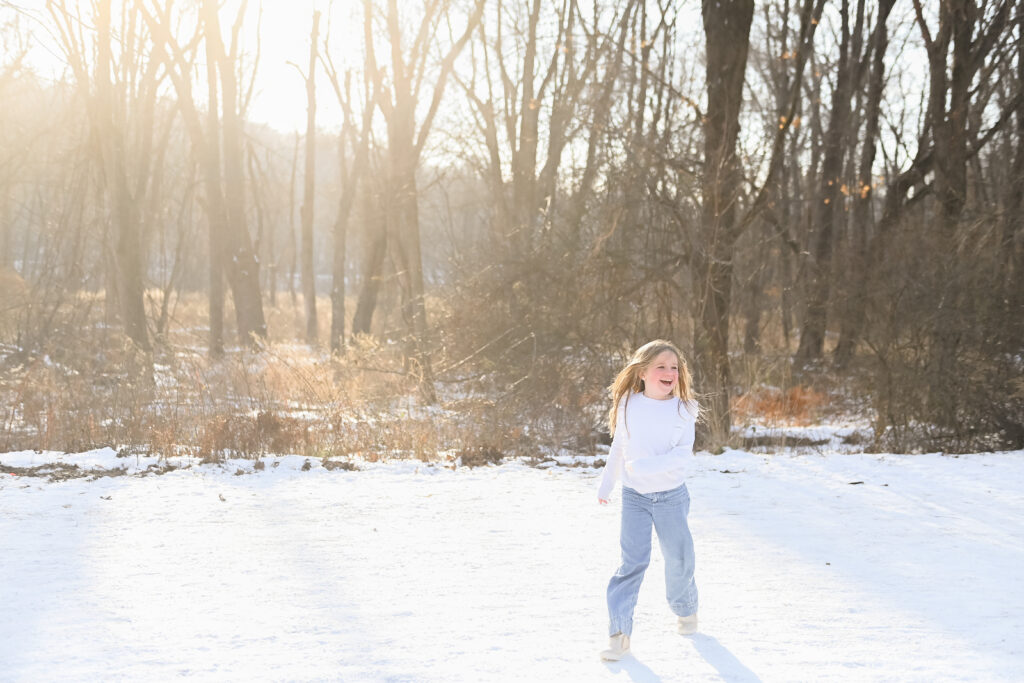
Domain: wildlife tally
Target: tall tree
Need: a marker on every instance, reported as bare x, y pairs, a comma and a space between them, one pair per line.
949, 105
852, 319
353, 158
239, 258
727, 35
1013, 236
208, 145
14, 156
116, 109
830, 209
527, 88
231, 251
411, 73
375, 249
309, 188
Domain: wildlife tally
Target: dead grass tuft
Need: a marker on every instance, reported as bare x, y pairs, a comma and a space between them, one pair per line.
242, 436
478, 456
797, 406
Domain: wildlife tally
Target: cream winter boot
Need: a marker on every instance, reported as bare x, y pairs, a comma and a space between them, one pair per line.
688, 625
618, 647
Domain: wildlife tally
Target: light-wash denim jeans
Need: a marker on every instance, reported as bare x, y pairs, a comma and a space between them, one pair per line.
666, 511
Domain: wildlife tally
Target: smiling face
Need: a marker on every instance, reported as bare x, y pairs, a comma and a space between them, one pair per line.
661, 376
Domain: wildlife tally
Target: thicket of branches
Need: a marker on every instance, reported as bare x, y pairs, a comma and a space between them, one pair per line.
799, 192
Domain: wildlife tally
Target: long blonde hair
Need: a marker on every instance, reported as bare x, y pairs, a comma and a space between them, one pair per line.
628, 380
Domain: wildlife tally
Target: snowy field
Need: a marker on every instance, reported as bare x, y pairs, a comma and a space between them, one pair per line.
408, 572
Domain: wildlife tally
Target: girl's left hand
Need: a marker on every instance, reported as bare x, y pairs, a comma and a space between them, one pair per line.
602, 501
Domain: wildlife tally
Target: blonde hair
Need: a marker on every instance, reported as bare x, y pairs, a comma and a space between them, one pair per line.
628, 380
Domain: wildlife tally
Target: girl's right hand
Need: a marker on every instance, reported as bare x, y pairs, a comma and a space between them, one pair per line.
602, 501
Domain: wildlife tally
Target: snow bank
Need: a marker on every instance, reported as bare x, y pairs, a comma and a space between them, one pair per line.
810, 567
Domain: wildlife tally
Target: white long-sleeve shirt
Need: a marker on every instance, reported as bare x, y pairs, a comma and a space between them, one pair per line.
652, 446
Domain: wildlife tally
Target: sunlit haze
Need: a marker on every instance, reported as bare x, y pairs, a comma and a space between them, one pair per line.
279, 97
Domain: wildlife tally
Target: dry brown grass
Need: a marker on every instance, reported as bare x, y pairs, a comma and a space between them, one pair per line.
796, 406
287, 398
498, 399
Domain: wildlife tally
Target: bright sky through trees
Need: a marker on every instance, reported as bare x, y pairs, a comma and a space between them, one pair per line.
279, 99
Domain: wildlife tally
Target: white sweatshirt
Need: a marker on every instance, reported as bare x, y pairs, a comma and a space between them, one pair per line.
652, 445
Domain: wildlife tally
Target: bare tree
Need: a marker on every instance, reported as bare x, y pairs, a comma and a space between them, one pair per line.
14, 156
356, 138
309, 187
530, 73
125, 169
830, 210
410, 73
863, 191
292, 250
727, 32
949, 108
375, 231
1013, 240
231, 251
239, 257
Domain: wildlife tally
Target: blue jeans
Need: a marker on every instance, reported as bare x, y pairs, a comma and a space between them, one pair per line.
666, 511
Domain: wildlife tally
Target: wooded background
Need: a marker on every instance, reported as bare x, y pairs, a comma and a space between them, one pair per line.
806, 193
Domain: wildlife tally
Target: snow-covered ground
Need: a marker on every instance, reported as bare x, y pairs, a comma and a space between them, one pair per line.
810, 567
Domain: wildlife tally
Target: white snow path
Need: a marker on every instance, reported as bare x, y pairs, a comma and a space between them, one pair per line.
412, 573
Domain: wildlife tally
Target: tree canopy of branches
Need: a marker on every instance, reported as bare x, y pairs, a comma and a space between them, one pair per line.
516, 193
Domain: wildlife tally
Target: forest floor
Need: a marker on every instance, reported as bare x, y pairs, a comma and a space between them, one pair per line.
811, 565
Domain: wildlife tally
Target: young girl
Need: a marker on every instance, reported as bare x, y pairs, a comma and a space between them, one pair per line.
652, 424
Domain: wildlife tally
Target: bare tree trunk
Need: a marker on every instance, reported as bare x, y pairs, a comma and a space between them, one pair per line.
787, 301
351, 175
268, 248
308, 270
338, 280
127, 264
258, 187
727, 32
792, 197
1012, 245
830, 211
376, 248
949, 130
524, 160
853, 319
405, 145
180, 250
228, 237
293, 245
949, 107
6, 233
216, 216
752, 310
9, 73
778, 213
404, 237
240, 264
